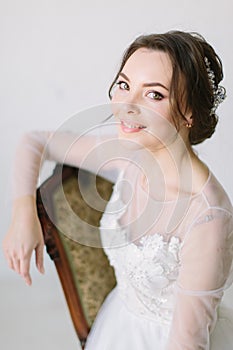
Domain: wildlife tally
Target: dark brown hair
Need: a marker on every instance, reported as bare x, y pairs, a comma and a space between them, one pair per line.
190, 81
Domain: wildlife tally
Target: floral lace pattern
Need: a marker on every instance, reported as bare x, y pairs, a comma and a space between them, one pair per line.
146, 272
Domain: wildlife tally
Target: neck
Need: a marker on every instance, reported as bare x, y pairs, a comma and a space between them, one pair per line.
169, 170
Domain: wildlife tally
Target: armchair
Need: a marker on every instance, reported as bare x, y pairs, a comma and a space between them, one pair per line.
84, 272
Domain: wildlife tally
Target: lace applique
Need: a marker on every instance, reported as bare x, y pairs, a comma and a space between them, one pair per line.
146, 272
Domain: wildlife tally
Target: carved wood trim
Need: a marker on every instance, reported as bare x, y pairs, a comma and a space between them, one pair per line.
56, 250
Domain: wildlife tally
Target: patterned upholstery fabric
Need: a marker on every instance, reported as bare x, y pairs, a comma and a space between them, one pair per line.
93, 275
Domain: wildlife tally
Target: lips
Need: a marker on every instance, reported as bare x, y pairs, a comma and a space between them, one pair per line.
131, 127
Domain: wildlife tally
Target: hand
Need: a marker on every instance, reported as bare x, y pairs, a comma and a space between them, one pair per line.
23, 237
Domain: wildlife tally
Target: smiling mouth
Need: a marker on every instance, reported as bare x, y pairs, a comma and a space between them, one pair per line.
128, 125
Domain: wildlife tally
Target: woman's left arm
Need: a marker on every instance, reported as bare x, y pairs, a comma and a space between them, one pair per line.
206, 270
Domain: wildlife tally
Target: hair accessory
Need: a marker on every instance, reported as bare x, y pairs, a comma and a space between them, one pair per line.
219, 92
188, 125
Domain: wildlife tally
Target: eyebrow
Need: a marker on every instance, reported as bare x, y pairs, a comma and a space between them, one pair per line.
146, 84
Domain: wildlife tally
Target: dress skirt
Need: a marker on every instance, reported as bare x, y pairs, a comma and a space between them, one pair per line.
117, 328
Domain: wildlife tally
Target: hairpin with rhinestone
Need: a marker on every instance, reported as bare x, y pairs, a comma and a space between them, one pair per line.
219, 92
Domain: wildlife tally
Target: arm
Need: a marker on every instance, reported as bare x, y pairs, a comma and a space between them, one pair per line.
24, 235
206, 270
63, 147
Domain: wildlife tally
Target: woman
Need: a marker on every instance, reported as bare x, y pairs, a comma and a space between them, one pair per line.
168, 227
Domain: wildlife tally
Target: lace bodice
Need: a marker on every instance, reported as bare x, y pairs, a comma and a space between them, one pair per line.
146, 276
146, 271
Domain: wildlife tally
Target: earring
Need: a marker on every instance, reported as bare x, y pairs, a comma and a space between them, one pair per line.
188, 125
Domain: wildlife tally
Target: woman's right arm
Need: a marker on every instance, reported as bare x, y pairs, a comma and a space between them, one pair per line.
25, 235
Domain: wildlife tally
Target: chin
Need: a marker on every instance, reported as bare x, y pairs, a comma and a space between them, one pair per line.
129, 140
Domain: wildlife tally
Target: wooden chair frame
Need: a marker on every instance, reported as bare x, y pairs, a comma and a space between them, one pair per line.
56, 250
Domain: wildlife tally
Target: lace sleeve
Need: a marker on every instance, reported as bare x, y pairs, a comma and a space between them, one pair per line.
206, 270
63, 147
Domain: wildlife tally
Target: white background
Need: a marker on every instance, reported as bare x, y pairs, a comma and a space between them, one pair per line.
58, 58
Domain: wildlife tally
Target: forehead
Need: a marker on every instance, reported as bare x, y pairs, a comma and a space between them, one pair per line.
149, 65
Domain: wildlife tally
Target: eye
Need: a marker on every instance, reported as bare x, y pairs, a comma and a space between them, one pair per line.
155, 95
122, 85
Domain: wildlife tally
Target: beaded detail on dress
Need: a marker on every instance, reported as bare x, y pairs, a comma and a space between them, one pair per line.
146, 271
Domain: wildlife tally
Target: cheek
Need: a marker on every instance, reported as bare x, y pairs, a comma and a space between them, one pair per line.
115, 107
118, 95
117, 102
160, 127
163, 108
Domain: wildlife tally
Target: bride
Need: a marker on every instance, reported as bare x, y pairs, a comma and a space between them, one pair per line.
168, 227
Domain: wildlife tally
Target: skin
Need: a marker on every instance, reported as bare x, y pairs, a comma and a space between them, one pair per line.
23, 237
141, 99
147, 109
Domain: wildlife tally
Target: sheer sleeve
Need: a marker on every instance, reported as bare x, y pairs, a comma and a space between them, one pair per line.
63, 147
205, 271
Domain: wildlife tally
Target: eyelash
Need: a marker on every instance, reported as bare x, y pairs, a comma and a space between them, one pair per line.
122, 82
158, 94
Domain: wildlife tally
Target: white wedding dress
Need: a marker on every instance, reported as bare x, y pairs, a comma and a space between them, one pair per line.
172, 259
169, 286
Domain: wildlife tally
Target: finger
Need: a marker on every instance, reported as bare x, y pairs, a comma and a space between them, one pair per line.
24, 269
16, 264
8, 257
13, 260
9, 262
40, 257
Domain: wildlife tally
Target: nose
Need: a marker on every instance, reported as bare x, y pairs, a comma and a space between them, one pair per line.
126, 104
131, 104
131, 108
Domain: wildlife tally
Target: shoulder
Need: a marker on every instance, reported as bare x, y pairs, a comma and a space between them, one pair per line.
211, 207
216, 215
209, 187
215, 194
